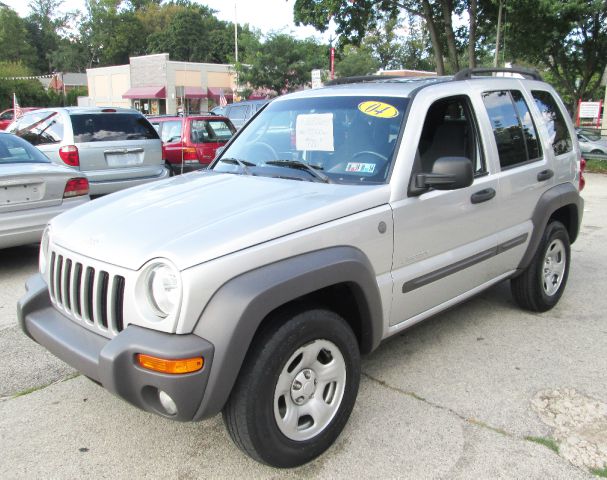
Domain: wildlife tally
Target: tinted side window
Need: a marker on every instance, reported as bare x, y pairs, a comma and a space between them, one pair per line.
534, 149
104, 127
238, 113
7, 115
41, 129
555, 122
171, 131
507, 128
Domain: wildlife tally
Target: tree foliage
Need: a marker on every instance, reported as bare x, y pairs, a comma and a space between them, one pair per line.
282, 63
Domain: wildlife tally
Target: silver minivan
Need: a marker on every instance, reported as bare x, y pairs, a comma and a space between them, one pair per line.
115, 148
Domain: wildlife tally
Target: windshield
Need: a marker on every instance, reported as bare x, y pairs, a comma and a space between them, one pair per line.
349, 139
15, 150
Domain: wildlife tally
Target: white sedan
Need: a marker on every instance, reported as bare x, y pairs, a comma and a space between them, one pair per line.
32, 191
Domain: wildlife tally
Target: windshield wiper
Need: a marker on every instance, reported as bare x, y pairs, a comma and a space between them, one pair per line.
243, 164
312, 170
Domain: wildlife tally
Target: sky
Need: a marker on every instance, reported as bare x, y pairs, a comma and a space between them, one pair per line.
266, 15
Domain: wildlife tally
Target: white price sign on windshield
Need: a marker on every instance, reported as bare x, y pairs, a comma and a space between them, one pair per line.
314, 131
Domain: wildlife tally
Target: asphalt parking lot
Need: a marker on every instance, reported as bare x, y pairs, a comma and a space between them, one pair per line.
481, 391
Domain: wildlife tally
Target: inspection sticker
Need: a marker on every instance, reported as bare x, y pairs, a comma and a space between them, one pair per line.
378, 109
360, 167
314, 131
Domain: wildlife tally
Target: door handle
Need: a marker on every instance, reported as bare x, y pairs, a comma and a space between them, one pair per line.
482, 195
544, 175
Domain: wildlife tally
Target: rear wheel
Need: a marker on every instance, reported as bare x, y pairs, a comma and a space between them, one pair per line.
170, 169
296, 389
541, 285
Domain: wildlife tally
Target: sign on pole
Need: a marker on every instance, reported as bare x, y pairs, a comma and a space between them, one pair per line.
589, 111
316, 81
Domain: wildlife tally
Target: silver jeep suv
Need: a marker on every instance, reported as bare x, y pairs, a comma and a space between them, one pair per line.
335, 219
115, 148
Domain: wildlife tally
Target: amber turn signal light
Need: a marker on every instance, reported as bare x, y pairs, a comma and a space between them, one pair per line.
163, 365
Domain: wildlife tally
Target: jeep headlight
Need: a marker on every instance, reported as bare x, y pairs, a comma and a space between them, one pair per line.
43, 255
163, 288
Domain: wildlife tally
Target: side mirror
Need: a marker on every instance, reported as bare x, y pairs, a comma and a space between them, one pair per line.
448, 173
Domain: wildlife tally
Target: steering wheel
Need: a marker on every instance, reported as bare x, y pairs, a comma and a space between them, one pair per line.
268, 147
369, 152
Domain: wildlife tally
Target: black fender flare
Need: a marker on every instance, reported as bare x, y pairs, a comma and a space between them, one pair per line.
232, 316
565, 194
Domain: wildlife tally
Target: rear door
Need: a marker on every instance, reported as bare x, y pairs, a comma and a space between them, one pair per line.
115, 140
207, 135
172, 143
526, 166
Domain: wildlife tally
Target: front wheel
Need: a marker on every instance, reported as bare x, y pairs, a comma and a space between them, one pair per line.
542, 283
296, 389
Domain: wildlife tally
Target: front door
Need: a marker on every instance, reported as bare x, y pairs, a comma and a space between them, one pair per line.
444, 241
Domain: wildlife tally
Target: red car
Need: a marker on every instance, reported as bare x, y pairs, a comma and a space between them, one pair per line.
6, 117
189, 143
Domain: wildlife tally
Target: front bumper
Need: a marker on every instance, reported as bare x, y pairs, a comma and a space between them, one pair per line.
111, 362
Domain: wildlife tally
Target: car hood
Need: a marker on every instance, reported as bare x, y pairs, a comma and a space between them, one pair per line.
201, 216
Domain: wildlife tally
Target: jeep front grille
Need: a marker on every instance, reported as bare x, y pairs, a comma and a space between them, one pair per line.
85, 294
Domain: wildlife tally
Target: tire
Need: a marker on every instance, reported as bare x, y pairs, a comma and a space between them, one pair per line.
597, 152
283, 366
170, 168
542, 283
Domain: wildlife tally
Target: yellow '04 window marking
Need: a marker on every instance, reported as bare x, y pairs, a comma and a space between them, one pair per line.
378, 109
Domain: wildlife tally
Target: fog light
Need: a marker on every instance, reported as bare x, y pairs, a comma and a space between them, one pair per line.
167, 403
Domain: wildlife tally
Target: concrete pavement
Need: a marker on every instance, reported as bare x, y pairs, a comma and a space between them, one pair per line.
457, 396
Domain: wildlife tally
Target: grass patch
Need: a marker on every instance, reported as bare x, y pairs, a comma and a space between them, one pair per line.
599, 472
482, 424
596, 166
27, 391
547, 442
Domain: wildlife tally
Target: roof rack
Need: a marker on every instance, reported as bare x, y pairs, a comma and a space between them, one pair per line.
359, 79
467, 73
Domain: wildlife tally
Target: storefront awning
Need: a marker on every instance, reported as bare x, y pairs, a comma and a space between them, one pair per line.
145, 92
215, 93
195, 92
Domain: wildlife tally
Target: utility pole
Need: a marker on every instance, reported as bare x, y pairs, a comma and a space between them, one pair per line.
499, 32
332, 62
235, 48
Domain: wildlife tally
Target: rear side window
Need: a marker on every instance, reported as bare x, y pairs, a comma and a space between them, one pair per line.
238, 113
514, 130
555, 122
7, 115
106, 127
171, 131
41, 128
210, 131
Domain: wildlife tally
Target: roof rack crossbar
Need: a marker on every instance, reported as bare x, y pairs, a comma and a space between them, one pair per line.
359, 79
467, 73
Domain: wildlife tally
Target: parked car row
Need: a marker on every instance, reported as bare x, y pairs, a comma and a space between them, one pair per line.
96, 151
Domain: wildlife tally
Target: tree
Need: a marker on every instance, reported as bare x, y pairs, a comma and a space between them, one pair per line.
29, 92
356, 61
282, 63
568, 38
14, 39
44, 26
